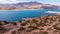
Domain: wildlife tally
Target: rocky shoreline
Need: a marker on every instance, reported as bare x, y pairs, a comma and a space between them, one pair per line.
40, 25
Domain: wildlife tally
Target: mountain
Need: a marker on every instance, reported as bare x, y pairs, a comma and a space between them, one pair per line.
28, 5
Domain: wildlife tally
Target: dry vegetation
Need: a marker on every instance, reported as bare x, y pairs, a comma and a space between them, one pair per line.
41, 25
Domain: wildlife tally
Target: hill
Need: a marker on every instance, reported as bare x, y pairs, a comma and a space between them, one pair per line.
28, 5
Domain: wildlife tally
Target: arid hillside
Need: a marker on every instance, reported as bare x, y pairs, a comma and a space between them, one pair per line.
39, 25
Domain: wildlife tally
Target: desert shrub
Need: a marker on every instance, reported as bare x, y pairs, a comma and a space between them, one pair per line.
34, 20
42, 24
55, 27
28, 21
43, 32
23, 24
2, 30
21, 29
14, 23
41, 29
33, 27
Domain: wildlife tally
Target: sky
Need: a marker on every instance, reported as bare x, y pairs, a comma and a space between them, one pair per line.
55, 2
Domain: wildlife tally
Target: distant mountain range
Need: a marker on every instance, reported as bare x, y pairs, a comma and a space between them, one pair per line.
28, 5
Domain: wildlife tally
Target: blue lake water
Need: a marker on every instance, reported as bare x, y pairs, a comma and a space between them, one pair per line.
15, 15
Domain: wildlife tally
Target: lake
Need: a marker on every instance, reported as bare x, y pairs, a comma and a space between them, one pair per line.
15, 15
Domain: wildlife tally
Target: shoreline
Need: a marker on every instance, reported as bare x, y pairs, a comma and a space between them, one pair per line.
21, 9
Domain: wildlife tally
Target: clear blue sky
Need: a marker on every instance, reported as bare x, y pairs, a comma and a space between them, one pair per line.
55, 2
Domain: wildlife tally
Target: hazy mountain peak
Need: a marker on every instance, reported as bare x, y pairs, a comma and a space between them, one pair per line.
29, 3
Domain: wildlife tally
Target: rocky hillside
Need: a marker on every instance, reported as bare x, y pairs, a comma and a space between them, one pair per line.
40, 25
